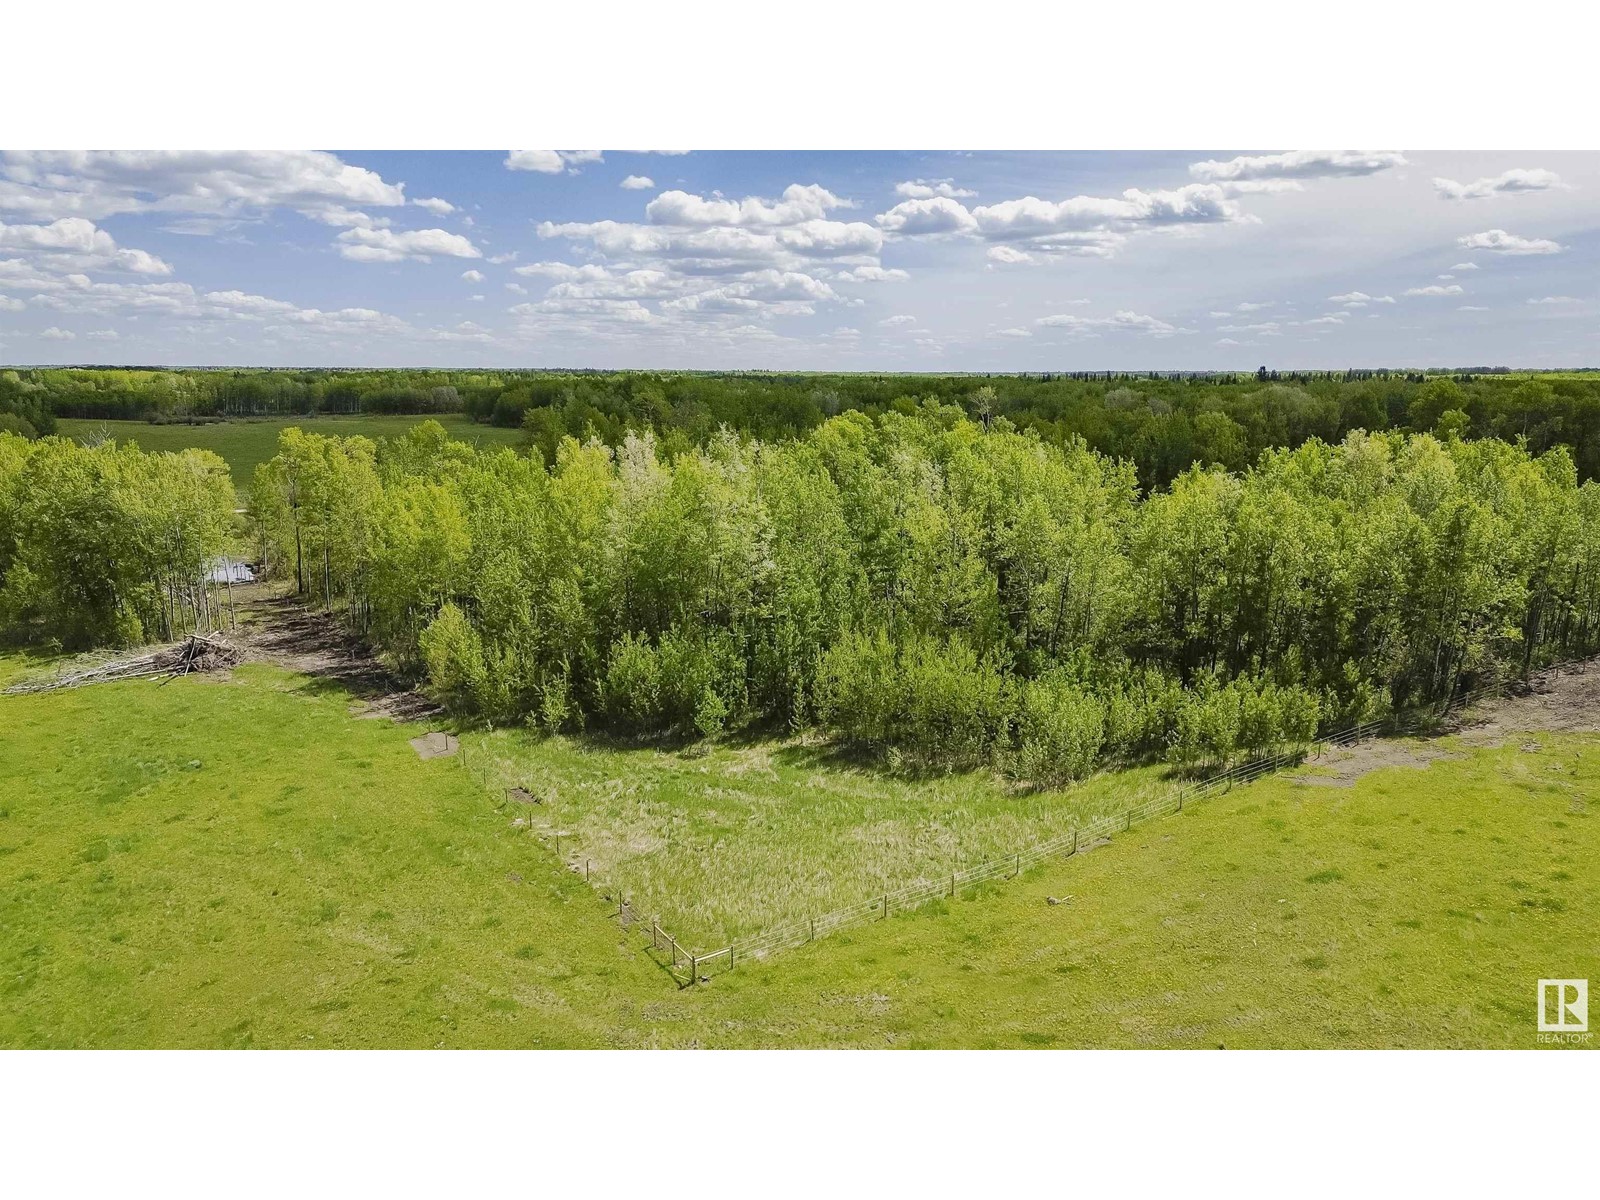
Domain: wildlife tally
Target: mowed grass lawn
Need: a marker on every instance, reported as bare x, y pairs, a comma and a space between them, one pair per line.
247, 443
243, 862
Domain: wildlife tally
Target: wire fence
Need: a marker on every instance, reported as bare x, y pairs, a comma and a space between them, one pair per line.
790, 934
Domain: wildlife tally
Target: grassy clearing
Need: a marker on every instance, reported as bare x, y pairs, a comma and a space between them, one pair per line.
243, 862
246, 444
721, 843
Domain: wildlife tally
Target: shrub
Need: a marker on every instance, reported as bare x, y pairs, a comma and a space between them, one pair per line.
453, 653
1061, 729
632, 693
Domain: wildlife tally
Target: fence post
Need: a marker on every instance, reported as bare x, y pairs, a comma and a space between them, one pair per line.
730, 956
1074, 839
1017, 870
1127, 820
694, 970
885, 906
952, 885
813, 936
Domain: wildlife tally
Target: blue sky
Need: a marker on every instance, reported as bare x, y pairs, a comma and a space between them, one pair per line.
801, 260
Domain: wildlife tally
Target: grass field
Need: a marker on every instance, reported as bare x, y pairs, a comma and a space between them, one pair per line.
245, 444
237, 862
725, 842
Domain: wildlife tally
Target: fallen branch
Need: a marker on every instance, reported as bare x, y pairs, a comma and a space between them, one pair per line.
197, 652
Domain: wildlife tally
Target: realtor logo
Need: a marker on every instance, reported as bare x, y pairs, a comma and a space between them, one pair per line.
1563, 1006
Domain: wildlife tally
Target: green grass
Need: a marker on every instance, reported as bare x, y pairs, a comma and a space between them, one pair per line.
244, 862
721, 843
246, 444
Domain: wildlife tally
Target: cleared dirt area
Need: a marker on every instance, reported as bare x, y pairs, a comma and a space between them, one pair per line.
1566, 701
279, 629
1560, 702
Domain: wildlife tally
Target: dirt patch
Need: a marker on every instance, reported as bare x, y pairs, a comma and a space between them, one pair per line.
1342, 766
278, 629
1559, 702
435, 745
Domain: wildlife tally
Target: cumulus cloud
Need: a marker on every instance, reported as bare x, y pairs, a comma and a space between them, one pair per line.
473, 276
1297, 164
800, 203
74, 243
637, 183
1556, 300
874, 274
898, 319
1508, 183
385, 245
1498, 241
1360, 299
1436, 289
1015, 332
55, 334
433, 204
98, 184
551, 162
1083, 225
1010, 256
927, 189
1120, 321
1465, 266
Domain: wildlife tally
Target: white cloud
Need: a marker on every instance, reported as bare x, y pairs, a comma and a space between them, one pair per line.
899, 319
551, 162
102, 335
55, 334
1501, 242
1010, 255
937, 214
1471, 308
1017, 332
435, 205
1518, 179
637, 183
385, 245
11, 304
874, 274
1361, 299
98, 184
800, 203
473, 276
1122, 320
1556, 300
927, 189
1298, 164
77, 244
1436, 289
1465, 266
565, 272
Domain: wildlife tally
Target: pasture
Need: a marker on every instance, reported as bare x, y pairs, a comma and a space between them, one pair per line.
243, 861
247, 443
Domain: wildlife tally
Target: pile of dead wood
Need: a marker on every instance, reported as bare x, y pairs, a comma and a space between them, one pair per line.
197, 652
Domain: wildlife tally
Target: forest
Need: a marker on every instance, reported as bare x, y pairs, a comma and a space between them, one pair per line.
1161, 423
940, 592
940, 583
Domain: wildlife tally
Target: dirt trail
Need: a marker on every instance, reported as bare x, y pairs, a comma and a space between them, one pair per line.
1566, 701
279, 629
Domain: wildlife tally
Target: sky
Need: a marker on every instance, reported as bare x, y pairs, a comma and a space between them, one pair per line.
904, 261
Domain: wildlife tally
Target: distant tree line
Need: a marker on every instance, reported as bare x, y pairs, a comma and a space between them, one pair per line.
1161, 423
940, 591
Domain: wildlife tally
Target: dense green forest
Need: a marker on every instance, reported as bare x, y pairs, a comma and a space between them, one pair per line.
949, 593
1161, 423
1045, 572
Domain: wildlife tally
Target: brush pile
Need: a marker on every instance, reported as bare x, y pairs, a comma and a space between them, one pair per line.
197, 652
